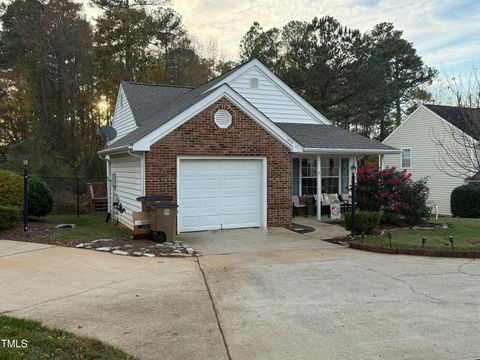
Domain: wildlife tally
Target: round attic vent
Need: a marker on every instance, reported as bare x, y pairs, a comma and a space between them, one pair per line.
223, 119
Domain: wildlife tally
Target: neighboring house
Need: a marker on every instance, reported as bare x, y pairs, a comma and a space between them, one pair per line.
232, 151
424, 138
474, 179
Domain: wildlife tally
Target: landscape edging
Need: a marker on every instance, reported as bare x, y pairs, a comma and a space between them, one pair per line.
415, 252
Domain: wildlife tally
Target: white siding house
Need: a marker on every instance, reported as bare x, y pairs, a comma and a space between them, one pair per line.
269, 98
127, 186
418, 135
123, 120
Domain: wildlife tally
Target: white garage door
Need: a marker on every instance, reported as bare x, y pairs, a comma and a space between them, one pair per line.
219, 194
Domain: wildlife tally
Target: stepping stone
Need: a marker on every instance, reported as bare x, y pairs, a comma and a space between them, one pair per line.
65, 226
103, 249
119, 252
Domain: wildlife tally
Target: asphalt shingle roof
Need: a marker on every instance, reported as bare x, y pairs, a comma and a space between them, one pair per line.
329, 137
153, 105
475, 178
466, 119
146, 99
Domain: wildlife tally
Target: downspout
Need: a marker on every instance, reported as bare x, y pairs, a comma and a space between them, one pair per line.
109, 187
142, 167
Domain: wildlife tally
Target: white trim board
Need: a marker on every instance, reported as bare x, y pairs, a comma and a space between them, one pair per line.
280, 84
222, 91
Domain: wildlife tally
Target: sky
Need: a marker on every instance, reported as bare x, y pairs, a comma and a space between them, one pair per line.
446, 33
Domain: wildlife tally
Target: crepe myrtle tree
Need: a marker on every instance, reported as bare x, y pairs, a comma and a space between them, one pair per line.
458, 149
392, 192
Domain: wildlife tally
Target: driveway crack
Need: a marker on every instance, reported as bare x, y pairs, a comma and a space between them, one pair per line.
215, 310
415, 291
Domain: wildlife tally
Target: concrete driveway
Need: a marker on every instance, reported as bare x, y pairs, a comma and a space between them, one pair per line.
280, 295
268, 295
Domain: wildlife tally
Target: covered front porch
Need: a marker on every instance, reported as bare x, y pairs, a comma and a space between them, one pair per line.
320, 180
323, 165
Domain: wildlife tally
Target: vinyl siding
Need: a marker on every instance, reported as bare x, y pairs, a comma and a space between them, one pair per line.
129, 185
417, 133
123, 120
270, 99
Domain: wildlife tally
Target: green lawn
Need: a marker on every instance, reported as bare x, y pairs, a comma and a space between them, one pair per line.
45, 343
466, 234
88, 227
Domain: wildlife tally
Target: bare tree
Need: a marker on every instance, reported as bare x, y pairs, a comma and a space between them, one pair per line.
458, 143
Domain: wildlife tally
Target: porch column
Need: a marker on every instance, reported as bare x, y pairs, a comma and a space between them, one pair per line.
381, 161
319, 187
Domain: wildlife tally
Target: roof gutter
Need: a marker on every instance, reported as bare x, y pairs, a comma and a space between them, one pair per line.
124, 148
351, 151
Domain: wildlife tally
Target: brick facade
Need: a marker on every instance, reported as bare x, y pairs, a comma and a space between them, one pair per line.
200, 136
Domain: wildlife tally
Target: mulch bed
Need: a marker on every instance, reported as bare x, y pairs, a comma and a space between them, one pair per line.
36, 230
419, 252
300, 229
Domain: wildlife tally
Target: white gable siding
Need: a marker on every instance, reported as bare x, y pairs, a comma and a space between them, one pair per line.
129, 185
417, 133
270, 99
123, 120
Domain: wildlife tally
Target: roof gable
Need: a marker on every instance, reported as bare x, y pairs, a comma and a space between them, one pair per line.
234, 77
465, 119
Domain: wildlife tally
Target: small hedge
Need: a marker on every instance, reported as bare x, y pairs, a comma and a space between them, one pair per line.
365, 221
40, 197
465, 201
8, 216
11, 188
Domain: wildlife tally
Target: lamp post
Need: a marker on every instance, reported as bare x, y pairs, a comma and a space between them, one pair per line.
25, 195
354, 199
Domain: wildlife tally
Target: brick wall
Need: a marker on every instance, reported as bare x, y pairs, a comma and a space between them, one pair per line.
200, 136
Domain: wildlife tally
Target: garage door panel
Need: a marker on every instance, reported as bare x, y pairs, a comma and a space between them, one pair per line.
217, 194
211, 202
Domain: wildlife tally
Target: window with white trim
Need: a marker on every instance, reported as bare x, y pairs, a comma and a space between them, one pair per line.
309, 176
330, 175
406, 157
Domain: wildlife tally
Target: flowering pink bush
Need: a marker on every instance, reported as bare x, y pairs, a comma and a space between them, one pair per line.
392, 192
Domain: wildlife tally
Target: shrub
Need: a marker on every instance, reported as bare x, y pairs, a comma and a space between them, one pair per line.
365, 221
393, 193
11, 188
9, 215
465, 201
40, 197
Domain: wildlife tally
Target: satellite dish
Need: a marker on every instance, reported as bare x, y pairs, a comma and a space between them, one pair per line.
107, 133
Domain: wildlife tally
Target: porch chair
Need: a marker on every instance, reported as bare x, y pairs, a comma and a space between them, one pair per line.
297, 205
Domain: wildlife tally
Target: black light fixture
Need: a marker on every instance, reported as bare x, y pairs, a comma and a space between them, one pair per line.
25, 195
450, 238
389, 234
424, 240
354, 200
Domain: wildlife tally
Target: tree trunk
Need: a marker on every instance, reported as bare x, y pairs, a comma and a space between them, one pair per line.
398, 112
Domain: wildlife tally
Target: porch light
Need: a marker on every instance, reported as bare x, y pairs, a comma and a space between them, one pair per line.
353, 168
